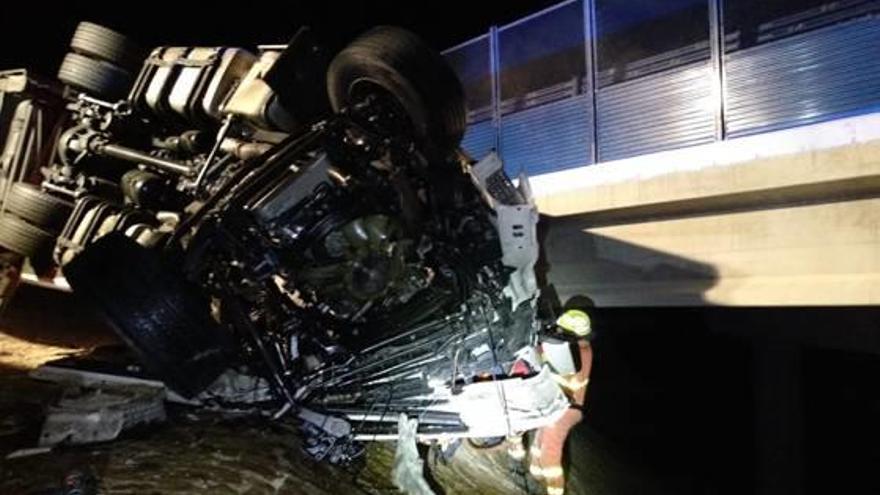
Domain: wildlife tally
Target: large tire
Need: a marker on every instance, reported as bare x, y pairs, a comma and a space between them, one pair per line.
106, 44
164, 319
417, 76
21, 237
40, 208
96, 77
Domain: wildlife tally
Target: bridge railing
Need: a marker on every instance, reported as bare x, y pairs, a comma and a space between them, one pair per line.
589, 81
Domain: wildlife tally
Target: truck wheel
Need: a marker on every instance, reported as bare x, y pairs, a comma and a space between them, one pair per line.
19, 236
400, 63
40, 208
106, 44
163, 318
97, 77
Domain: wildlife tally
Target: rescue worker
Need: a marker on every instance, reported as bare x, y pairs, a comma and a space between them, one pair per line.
545, 452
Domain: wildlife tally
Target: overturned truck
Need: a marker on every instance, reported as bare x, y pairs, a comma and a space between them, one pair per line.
310, 220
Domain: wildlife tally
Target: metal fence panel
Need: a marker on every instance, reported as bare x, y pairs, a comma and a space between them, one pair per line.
471, 63
479, 139
541, 51
672, 109
546, 114
548, 138
807, 78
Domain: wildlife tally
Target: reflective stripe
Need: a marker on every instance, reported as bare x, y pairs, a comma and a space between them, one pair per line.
575, 384
552, 472
535, 450
555, 490
517, 452
547, 472
570, 383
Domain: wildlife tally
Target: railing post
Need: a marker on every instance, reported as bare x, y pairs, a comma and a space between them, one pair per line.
495, 68
716, 45
590, 40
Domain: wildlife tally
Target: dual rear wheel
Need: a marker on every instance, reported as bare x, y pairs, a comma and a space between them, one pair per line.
101, 62
30, 222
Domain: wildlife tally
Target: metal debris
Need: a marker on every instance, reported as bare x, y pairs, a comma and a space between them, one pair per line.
98, 415
28, 452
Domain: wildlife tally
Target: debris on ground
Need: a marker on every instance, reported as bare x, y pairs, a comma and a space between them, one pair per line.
99, 415
28, 452
407, 472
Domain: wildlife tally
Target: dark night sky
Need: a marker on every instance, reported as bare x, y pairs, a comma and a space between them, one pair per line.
37, 35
